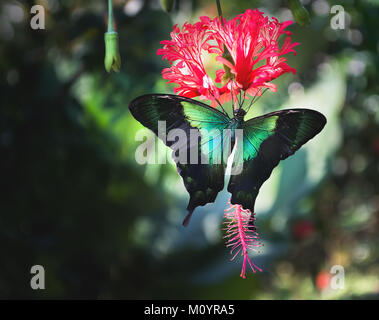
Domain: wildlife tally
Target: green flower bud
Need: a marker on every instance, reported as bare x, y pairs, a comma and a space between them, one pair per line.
112, 56
167, 5
300, 14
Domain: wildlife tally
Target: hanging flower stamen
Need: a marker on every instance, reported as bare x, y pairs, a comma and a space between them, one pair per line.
241, 235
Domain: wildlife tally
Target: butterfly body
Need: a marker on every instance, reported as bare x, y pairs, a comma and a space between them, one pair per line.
239, 115
259, 144
235, 124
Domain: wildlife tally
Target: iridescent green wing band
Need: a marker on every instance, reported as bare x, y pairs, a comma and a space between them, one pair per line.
267, 140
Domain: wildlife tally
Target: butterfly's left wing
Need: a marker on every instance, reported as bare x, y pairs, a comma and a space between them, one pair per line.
267, 140
203, 127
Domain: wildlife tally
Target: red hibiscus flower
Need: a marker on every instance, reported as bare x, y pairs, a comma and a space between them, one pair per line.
185, 50
247, 47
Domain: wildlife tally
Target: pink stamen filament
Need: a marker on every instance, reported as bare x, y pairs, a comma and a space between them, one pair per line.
241, 236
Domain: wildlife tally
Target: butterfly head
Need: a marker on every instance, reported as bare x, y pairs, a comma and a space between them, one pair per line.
239, 114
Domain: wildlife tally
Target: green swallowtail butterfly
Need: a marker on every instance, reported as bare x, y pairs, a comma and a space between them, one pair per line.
265, 141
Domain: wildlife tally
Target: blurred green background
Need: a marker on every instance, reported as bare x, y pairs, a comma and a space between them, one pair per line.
75, 201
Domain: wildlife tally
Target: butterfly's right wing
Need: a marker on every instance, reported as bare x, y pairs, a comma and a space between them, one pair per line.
267, 140
203, 127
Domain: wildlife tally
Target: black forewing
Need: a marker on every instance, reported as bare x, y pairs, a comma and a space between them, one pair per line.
203, 181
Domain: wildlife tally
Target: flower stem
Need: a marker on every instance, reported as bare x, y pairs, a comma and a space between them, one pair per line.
219, 8
110, 16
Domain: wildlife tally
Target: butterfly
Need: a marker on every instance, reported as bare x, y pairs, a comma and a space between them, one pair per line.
262, 142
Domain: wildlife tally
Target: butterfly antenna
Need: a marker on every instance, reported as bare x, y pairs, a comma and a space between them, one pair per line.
231, 92
219, 104
240, 101
256, 98
261, 94
222, 108
253, 100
